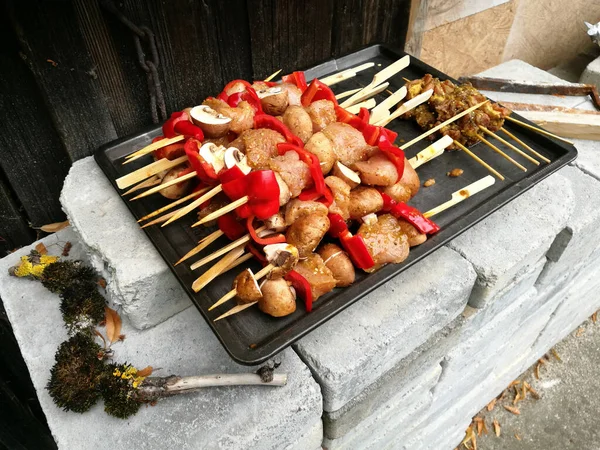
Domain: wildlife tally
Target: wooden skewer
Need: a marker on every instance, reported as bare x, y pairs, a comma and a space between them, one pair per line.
160, 219
538, 130
231, 294
354, 109
212, 237
241, 242
347, 93
152, 181
382, 110
173, 204
365, 94
406, 79
215, 270
224, 210
433, 151
479, 160
463, 194
242, 259
500, 152
345, 74
527, 147
162, 186
509, 145
273, 75
147, 171
443, 124
150, 148
235, 310
380, 77
183, 211
407, 106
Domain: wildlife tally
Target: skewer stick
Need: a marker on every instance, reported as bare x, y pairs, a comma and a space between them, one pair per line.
462, 194
407, 106
273, 75
160, 219
479, 160
355, 109
365, 94
500, 152
147, 171
238, 261
152, 181
509, 145
173, 204
154, 146
231, 294
443, 124
538, 130
345, 94
201, 245
183, 211
382, 110
380, 77
433, 151
345, 74
224, 210
527, 147
216, 270
235, 310
162, 186
241, 242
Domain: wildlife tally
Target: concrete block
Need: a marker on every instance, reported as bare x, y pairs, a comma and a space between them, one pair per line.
591, 74
137, 277
223, 418
515, 237
576, 243
588, 157
355, 348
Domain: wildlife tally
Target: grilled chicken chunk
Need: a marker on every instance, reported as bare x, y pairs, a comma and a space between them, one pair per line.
415, 237
386, 241
363, 201
322, 147
294, 93
306, 233
349, 145
378, 170
242, 116
317, 274
297, 208
341, 196
322, 113
295, 173
298, 121
260, 146
339, 263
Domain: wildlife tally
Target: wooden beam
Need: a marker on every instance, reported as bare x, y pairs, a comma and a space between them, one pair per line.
416, 27
578, 126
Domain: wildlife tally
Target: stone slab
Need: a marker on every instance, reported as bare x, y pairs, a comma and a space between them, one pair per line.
137, 277
515, 237
588, 158
591, 74
358, 346
223, 418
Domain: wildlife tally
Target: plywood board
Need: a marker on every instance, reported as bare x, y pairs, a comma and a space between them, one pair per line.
441, 12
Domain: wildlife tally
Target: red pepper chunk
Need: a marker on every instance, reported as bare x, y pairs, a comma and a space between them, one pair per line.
312, 161
270, 122
355, 246
394, 154
168, 127
230, 227
302, 287
189, 129
262, 190
412, 215
317, 90
276, 239
204, 171
296, 78
249, 95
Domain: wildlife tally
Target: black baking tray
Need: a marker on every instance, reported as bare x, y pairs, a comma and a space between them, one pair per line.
252, 337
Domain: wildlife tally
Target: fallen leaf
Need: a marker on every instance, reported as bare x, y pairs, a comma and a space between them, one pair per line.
556, 355
496, 428
513, 410
41, 248
514, 383
541, 360
533, 392
97, 333
537, 370
54, 227
479, 422
67, 248
517, 396
153, 403
122, 337
524, 392
490, 405
485, 430
468, 436
518, 437
113, 324
580, 332
54, 63
595, 317
146, 372
102, 283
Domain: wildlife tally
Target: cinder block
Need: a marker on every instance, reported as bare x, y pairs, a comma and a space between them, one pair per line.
515, 237
588, 157
591, 74
224, 418
358, 346
137, 277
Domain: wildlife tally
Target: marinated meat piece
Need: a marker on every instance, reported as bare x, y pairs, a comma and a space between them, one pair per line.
260, 86
295, 173
224, 141
317, 274
177, 190
247, 288
363, 201
322, 113
341, 196
322, 147
399, 192
298, 121
260, 146
214, 204
278, 298
284, 191
377, 171
349, 145
306, 233
297, 208
242, 116
294, 93
339, 263
386, 241
275, 223
415, 237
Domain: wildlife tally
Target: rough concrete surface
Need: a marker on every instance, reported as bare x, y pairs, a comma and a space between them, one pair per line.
223, 418
591, 74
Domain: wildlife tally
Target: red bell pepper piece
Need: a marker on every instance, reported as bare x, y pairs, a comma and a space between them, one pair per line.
412, 215
296, 78
311, 194
302, 287
270, 122
230, 227
263, 193
355, 246
257, 253
227, 175
312, 161
204, 171
394, 154
275, 239
168, 127
189, 129
317, 91
347, 117
249, 95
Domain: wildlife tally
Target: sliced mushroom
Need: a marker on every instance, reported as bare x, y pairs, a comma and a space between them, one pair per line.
351, 178
212, 123
177, 190
370, 219
234, 157
273, 100
247, 287
275, 223
214, 155
282, 256
284, 191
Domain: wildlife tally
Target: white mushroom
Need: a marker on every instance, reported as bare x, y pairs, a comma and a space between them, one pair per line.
212, 123
234, 157
273, 100
214, 155
351, 178
284, 256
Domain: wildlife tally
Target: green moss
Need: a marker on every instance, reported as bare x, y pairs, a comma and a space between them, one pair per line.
75, 378
119, 396
60, 275
82, 306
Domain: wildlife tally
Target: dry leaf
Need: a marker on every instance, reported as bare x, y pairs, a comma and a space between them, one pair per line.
122, 337
41, 248
595, 317
579, 333
67, 248
524, 392
490, 405
556, 355
533, 392
513, 410
485, 430
518, 437
97, 333
514, 383
496, 428
541, 361
468, 436
537, 370
479, 422
146, 372
102, 283
113, 324
517, 396
54, 227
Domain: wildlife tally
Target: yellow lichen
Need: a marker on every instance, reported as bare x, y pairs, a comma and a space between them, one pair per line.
27, 269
